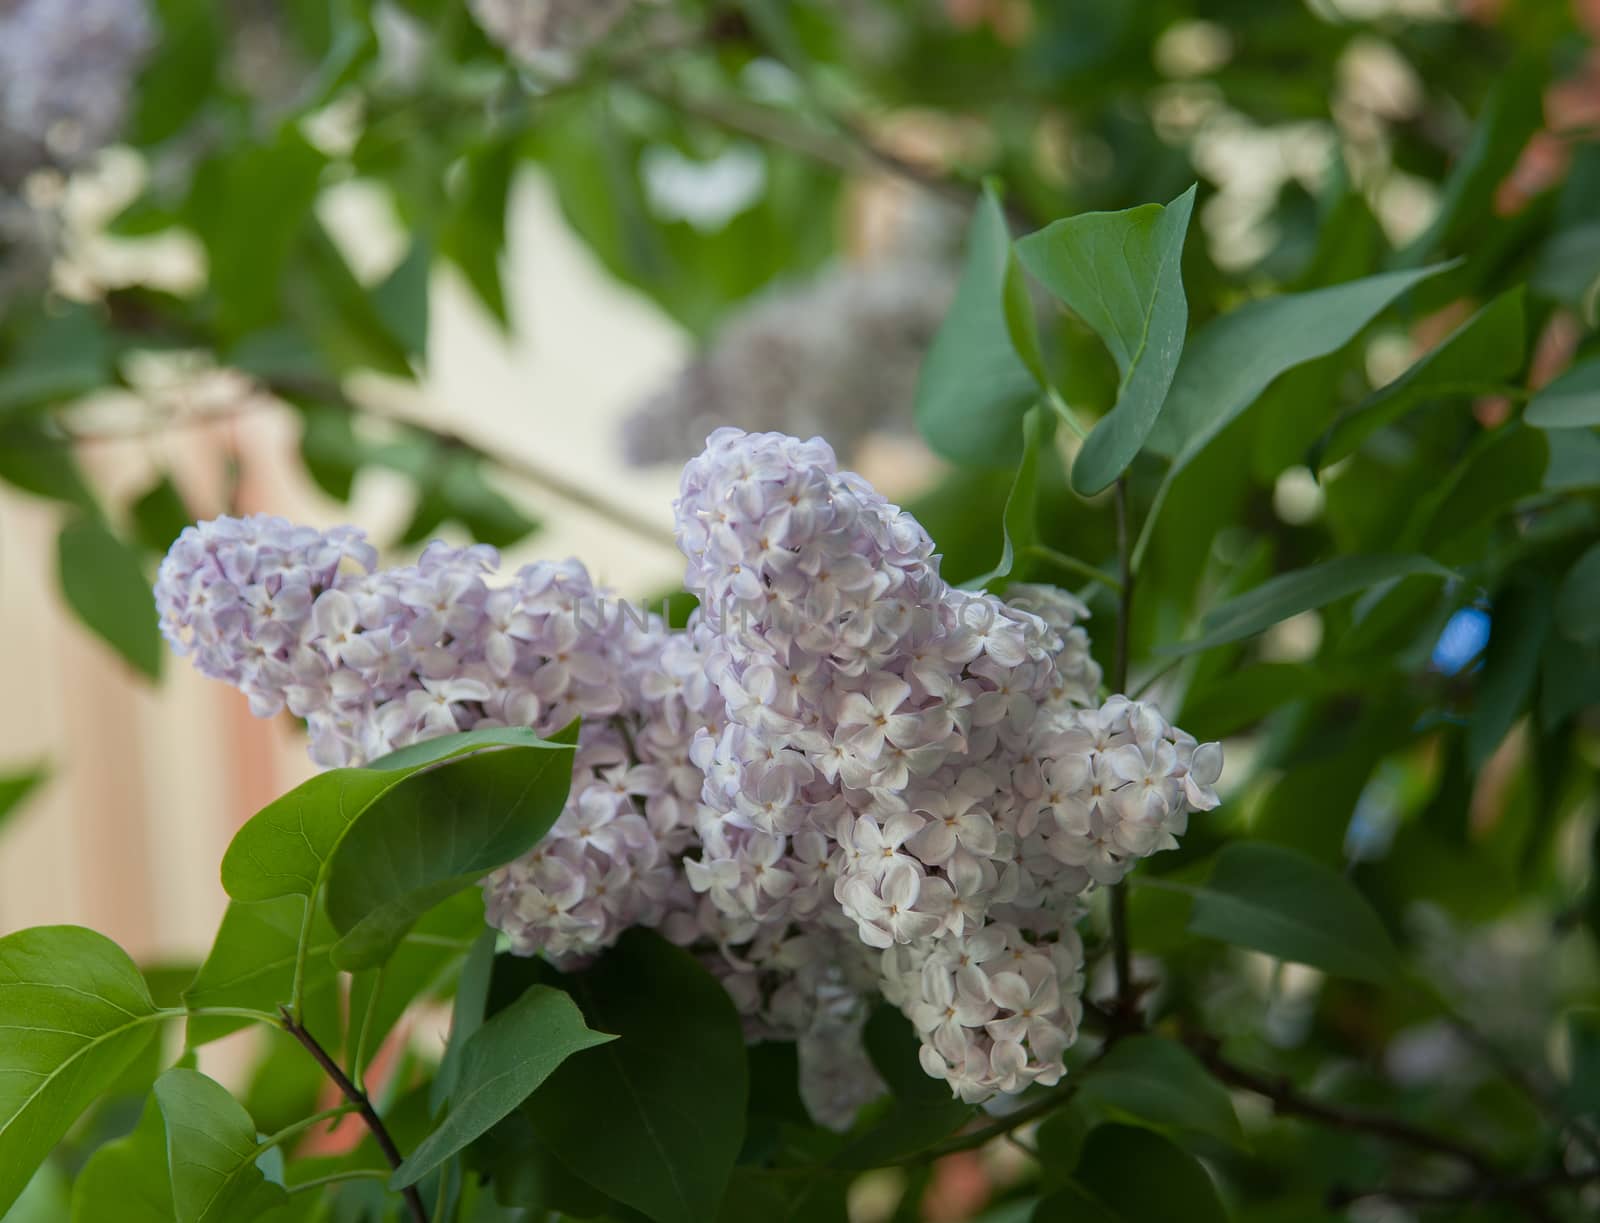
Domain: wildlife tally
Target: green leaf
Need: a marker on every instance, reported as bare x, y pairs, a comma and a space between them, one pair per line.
61, 357
974, 387
1571, 401
1578, 600
105, 584
249, 206
1583, 1045
502, 1064
1121, 273
1230, 361
127, 1180
42, 463
1019, 527
1289, 594
16, 787
180, 75
1140, 1177
435, 835
656, 1118
1160, 1083
76, 1013
1280, 902
212, 1152
1518, 627
474, 233
401, 299
251, 964
285, 848
1477, 357
466, 1018
159, 515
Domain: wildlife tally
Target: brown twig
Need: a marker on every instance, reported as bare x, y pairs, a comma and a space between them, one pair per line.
357, 1097
1287, 1101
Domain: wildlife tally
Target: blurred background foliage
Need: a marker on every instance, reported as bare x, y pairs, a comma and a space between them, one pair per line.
1436, 740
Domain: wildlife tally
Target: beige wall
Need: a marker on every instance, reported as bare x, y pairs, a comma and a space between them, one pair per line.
149, 782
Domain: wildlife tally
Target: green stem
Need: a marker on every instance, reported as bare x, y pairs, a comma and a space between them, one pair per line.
1074, 565
358, 1062
300, 1127
1068, 417
333, 1178
229, 1012
302, 948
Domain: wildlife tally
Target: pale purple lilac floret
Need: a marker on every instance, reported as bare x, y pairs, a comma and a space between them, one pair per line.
844, 778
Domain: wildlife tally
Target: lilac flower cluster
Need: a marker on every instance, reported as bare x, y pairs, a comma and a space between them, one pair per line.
843, 779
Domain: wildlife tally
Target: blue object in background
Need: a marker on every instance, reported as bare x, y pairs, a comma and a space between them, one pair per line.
1464, 636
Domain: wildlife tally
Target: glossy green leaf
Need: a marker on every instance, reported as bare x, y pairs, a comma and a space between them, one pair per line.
286, 847
1478, 357
974, 388
212, 1152
75, 1013
438, 833
1121, 273
1282, 903
1577, 607
502, 1064
1289, 594
127, 1180
1160, 1083
251, 964
655, 1118
104, 583
1019, 525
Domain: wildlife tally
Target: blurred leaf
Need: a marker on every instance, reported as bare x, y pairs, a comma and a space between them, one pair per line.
1569, 678
159, 515
1137, 1176
655, 1118
1019, 525
249, 206
104, 583
1059, 1141
127, 1180
251, 964
1158, 1082
502, 1064
1571, 401
1578, 601
474, 233
15, 789
330, 449
974, 388
1513, 111
62, 356
1583, 1079
1282, 903
87, 1016
401, 299
1121, 272
1477, 357
286, 847
1502, 468
180, 76
1239, 697
1569, 266
36, 462
436, 834
1520, 620
328, 303
212, 1152
1289, 594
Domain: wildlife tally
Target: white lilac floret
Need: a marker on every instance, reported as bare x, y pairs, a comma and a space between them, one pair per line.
843, 778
